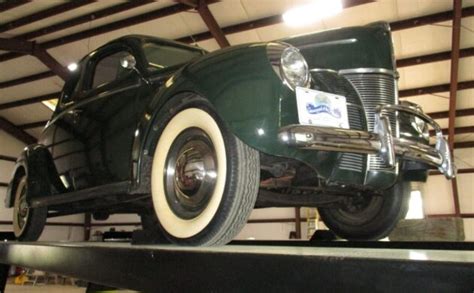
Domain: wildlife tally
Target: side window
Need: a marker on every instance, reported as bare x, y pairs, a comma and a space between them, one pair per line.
161, 56
108, 69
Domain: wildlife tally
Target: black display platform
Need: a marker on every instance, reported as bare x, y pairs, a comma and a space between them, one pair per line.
243, 268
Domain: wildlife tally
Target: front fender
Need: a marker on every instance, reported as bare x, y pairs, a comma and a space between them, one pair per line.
247, 94
42, 179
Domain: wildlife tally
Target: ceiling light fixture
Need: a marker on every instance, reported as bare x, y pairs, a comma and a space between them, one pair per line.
72, 66
310, 13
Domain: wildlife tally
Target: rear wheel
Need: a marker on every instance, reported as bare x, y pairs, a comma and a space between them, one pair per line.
28, 223
204, 179
368, 217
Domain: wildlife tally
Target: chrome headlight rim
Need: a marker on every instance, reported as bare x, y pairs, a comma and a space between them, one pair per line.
275, 54
305, 76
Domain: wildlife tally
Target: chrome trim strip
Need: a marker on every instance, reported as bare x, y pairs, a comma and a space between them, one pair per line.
368, 70
328, 43
323, 70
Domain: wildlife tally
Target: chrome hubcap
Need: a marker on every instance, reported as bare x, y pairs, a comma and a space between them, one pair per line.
191, 173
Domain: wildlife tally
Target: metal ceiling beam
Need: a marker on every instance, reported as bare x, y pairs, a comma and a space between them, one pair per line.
7, 158
7, 5
108, 11
457, 130
441, 56
445, 114
271, 20
36, 50
19, 46
453, 89
37, 16
464, 144
212, 24
16, 132
439, 88
29, 101
275, 19
429, 19
459, 171
202, 8
32, 124
154, 14
29, 78
51, 63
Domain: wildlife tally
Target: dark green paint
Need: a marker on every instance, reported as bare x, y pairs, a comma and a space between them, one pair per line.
347, 48
246, 92
242, 86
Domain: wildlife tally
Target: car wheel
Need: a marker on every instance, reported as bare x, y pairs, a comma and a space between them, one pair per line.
368, 217
204, 179
28, 223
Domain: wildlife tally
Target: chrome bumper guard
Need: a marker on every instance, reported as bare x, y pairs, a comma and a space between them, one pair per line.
380, 142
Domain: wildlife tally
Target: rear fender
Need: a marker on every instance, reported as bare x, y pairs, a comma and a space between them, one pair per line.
42, 178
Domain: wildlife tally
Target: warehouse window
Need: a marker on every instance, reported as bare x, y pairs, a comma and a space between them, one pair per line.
162, 56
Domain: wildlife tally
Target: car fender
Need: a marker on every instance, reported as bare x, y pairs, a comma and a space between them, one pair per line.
42, 179
246, 93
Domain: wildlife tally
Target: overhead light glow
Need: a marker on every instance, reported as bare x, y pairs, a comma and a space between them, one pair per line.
310, 13
51, 104
72, 66
415, 206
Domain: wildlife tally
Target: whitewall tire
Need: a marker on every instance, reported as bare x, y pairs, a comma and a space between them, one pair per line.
204, 180
28, 223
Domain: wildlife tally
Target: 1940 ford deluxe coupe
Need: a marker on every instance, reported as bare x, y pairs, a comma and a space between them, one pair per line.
193, 141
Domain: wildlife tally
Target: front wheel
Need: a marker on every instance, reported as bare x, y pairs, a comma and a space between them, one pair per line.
368, 217
28, 223
204, 179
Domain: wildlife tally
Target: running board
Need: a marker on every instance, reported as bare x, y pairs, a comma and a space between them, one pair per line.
80, 195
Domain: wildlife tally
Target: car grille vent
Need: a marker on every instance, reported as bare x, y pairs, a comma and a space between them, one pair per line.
332, 82
375, 89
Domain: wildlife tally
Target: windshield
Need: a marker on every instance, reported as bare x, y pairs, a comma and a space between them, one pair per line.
161, 56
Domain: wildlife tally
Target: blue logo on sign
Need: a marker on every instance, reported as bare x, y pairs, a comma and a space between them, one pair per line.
322, 108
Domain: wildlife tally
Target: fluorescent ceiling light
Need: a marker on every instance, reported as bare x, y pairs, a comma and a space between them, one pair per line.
72, 66
310, 13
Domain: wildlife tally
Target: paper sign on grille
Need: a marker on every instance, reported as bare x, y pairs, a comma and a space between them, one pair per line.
321, 109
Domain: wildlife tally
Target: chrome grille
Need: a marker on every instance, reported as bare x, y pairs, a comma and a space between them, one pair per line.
375, 87
348, 161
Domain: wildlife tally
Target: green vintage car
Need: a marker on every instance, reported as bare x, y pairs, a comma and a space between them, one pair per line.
193, 141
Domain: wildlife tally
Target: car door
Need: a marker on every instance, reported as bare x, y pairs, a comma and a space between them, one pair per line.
94, 133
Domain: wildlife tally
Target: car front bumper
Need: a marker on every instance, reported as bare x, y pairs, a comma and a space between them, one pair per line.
380, 142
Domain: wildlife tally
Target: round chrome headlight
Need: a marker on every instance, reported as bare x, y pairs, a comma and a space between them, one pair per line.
294, 68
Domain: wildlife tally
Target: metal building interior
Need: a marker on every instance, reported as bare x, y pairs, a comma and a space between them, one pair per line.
434, 49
